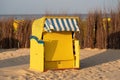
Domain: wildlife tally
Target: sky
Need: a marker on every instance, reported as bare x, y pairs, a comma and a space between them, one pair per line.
8, 7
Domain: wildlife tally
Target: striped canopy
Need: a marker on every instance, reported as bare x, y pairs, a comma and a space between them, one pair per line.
61, 24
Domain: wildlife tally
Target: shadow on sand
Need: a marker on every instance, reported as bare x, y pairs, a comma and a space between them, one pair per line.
107, 56
5, 50
104, 57
14, 61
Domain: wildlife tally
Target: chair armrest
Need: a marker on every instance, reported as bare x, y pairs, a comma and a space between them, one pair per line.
77, 53
35, 38
36, 54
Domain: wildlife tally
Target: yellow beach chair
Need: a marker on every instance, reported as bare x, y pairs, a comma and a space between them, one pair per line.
16, 24
53, 44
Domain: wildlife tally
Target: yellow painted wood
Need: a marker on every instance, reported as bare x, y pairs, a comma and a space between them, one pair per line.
77, 53
36, 56
58, 46
74, 17
57, 50
38, 27
16, 24
59, 64
36, 49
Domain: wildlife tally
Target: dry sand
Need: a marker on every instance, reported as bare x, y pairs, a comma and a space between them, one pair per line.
96, 64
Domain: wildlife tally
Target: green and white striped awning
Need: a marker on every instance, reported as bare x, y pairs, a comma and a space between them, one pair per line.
61, 24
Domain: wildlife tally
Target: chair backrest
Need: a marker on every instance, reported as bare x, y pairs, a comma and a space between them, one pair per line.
58, 46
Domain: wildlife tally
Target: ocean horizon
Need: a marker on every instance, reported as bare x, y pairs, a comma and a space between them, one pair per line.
29, 16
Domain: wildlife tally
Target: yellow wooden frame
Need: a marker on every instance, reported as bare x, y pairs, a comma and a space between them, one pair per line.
37, 48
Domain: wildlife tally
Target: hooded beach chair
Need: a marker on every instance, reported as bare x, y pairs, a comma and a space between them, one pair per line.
53, 44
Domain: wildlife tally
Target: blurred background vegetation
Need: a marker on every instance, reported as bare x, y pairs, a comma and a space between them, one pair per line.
98, 30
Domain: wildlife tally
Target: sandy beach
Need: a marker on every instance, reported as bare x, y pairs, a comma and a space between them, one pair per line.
96, 64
